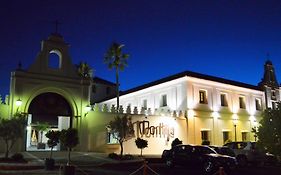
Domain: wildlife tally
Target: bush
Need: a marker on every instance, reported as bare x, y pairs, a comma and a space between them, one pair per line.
205, 142
113, 156
128, 157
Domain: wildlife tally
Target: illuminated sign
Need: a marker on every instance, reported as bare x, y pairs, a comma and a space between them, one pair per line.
143, 128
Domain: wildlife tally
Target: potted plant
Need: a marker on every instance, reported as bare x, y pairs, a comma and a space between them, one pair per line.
69, 139
53, 140
41, 127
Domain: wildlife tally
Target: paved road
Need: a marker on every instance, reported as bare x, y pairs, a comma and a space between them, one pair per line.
100, 164
163, 170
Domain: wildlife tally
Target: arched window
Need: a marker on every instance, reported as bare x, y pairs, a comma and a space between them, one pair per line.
54, 60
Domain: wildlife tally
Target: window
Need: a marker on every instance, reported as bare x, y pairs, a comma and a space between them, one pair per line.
108, 90
163, 102
94, 89
203, 97
205, 135
111, 138
54, 60
223, 100
242, 103
144, 104
245, 136
273, 95
226, 136
258, 104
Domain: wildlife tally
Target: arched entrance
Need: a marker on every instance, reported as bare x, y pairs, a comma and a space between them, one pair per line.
44, 111
47, 107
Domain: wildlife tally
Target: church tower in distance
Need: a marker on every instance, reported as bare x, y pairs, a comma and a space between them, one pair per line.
270, 85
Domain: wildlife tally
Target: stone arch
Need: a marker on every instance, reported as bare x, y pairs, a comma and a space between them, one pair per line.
67, 95
46, 107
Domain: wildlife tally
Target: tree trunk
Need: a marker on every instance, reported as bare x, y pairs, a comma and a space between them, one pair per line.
117, 90
121, 145
51, 154
41, 132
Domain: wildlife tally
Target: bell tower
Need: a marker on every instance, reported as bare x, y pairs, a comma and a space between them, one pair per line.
270, 85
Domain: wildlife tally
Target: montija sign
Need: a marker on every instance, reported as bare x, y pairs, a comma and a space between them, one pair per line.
145, 129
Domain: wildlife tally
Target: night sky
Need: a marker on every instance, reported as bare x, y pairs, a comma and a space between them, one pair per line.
224, 38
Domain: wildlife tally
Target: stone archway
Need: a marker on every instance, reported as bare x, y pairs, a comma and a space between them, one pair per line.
46, 107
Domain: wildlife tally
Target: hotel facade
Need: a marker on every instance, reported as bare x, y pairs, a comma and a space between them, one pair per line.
190, 106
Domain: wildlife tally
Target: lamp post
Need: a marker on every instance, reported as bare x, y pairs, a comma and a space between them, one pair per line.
235, 121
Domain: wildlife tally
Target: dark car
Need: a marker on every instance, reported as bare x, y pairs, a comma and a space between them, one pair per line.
247, 152
224, 150
199, 156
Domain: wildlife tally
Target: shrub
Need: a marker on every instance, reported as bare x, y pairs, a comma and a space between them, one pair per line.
113, 156
128, 157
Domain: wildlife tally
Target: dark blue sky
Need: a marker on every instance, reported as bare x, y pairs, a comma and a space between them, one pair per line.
224, 38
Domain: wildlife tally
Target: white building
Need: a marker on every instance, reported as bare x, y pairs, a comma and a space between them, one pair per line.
215, 109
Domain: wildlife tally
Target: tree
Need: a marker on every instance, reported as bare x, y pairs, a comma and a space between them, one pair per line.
10, 131
116, 59
69, 139
121, 128
269, 131
53, 140
176, 142
141, 144
83, 70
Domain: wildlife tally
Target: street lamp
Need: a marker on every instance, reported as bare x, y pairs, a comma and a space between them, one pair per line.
235, 121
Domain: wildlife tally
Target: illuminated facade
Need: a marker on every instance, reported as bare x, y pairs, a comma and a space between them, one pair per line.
190, 106
214, 109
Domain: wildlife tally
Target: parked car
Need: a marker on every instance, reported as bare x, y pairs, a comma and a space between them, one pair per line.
199, 156
247, 152
224, 150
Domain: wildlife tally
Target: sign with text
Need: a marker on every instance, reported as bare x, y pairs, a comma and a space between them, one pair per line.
144, 128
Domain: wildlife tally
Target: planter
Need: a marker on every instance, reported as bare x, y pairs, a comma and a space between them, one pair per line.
41, 145
49, 164
68, 170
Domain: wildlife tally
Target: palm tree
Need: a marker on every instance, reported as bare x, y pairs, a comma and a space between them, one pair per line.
83, 69
116, 59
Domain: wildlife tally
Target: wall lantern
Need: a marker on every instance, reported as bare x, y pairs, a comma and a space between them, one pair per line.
18, 102
87, 109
